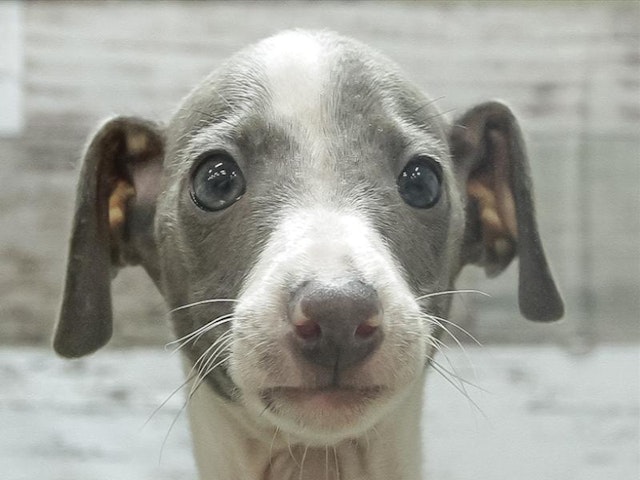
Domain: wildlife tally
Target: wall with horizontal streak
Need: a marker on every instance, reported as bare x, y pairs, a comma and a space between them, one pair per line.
570, 71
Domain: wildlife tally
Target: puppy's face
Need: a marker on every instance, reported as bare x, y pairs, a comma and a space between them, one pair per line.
300, 214
308, 180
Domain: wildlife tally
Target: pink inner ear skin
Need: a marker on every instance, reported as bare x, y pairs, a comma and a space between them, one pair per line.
505, 203
146, 177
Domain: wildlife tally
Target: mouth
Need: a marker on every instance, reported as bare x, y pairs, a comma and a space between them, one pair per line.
323, 415
326, 399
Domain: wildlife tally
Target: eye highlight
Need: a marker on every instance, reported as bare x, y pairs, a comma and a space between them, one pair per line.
217, 182
420, 183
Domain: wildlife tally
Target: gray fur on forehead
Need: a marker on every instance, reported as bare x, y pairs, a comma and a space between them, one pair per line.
353, 73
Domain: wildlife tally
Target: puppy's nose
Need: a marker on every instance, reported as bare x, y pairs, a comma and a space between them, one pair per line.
336, 326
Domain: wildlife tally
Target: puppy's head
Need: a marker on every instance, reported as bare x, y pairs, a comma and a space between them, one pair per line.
299, 212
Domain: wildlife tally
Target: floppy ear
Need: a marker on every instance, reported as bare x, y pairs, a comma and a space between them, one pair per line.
489, 151
113, 226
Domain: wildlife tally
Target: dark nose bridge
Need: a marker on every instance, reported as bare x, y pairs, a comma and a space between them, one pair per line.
336, 325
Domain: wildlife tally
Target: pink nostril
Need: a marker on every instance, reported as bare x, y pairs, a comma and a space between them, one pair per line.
308, 330
365, 330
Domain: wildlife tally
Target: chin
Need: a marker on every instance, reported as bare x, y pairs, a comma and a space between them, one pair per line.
323, 416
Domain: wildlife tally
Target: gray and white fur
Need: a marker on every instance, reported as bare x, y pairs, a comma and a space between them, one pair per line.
314, 296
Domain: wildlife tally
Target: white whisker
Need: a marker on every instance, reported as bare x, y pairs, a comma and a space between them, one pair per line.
326, 462
207, 367
218, 345
456, 375
203, 377
173, 423
192, 376
291, 451
462, 391
453, 324
273, 440
202, 302
304, 457
440, 347
450, 292
210, 354
197, 334
436, 321
166, 400
211, 364
196, 368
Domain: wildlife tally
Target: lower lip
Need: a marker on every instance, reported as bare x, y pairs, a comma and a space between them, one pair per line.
324, 399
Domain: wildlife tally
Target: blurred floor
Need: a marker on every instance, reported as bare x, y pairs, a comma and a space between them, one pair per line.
545, 415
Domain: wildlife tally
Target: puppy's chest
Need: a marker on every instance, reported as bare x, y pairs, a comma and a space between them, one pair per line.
316, 464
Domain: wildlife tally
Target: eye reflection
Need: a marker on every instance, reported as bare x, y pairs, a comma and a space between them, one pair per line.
420, 183
217, 182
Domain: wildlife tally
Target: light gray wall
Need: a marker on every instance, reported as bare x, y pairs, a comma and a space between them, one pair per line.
571, 71
11, 54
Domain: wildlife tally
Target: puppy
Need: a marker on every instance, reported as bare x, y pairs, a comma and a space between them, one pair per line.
305, 214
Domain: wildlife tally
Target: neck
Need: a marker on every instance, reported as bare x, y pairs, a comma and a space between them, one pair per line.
229, 445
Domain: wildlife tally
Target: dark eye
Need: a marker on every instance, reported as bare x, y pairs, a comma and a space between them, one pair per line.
217, 182
420, 183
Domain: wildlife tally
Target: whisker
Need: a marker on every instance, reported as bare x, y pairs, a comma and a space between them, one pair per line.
197, 334
304, 457
452, 376
213, 365
165, 401
463, 392
266, 407
177, 416
190, 376
326, 462
221, 346
441, 114
440, 347
203, 377
453, 324
257, 345
273, 440
193, 376
451, 292
436, 321
456, 375
223, 343
203, 361
426, 104
215, 348
202, 302
173, 423
291, 450
197, 366
207, 367
438, 344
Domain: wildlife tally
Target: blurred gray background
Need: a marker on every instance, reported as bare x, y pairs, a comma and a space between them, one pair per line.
570, 70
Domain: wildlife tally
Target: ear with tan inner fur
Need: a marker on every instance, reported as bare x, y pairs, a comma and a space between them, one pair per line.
489, 151
119, 183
